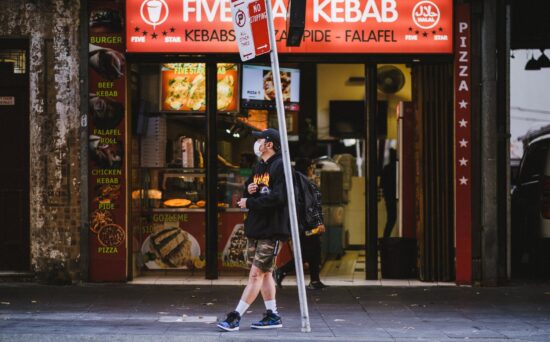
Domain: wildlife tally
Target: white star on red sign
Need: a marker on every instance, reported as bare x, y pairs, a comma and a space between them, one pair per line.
463, 181
463, 143
463, 161
463, 104
463, 123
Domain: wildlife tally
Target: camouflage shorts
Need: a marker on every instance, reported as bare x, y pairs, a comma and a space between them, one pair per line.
262, 253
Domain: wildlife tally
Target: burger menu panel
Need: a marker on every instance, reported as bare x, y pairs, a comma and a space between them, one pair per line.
106, 128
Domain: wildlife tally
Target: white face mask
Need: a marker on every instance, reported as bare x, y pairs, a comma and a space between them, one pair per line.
257, 151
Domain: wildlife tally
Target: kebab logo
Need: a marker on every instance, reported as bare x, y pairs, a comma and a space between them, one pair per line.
426, 14
152, 10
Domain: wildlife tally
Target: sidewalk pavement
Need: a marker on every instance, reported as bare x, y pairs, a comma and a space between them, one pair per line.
122, 312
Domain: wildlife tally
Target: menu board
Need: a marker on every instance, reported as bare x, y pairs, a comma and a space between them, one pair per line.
176, 240
173, 240
259, 90
106, 127
183, 87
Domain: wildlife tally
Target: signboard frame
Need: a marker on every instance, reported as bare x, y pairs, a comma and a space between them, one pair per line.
369, 29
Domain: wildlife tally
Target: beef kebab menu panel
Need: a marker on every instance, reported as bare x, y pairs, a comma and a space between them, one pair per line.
106, 128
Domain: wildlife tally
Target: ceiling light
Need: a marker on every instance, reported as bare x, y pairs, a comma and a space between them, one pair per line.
543, 61
230, 130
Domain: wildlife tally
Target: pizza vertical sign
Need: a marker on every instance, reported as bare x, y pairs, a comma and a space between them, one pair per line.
106, 129
250, 25
463, 148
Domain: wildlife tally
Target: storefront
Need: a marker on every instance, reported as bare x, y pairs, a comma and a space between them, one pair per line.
166, 169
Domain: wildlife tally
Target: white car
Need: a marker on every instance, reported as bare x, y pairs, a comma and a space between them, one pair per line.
531, 211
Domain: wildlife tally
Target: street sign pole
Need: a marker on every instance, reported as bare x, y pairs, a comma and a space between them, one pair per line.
288, 172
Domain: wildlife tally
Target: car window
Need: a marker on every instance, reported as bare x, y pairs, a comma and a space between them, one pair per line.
533, 162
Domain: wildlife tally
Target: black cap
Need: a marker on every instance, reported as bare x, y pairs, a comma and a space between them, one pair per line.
269, 134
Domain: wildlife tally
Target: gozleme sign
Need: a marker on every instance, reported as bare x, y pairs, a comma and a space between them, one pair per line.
332, 26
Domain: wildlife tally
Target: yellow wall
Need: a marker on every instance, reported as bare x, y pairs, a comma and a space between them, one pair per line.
331, 85
405, 94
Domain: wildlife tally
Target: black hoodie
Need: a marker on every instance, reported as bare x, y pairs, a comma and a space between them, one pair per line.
268, 216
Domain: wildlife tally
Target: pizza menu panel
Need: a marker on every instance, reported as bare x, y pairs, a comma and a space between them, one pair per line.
106, 141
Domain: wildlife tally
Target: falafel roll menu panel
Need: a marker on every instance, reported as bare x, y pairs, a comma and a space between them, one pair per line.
106, 128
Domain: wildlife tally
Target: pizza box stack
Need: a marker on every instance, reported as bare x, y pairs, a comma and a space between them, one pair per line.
153, 144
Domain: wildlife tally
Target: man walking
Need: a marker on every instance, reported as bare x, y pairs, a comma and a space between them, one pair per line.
266, 224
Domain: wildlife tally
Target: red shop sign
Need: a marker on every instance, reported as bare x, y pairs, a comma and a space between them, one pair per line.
332, 26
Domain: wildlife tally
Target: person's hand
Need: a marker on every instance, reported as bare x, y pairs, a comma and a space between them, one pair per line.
252, 188
322, 229
242, 203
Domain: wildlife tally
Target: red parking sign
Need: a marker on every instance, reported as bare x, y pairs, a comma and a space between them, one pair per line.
258, 23
250, 25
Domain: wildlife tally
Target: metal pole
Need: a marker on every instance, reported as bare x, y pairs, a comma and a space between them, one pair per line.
211, 271
288, 172
489, 148
507, 145
371, 185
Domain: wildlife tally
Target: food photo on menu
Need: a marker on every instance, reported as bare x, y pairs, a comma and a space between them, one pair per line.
106, 154
105, 20
108, 63
184, 87
258, 89
105, 112
269, 87
234, 252
171, 247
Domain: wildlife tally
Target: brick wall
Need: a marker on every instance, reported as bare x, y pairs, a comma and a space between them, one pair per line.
52, 29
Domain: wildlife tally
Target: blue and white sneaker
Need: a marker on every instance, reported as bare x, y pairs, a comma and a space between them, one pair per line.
231, 323
271, 320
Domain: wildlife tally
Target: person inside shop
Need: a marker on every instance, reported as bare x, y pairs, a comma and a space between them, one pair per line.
310, 239
389, 187
267, 225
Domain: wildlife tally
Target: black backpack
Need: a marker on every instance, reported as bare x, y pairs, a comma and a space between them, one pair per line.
306, 202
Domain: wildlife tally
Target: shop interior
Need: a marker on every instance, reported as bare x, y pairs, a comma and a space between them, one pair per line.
325, 106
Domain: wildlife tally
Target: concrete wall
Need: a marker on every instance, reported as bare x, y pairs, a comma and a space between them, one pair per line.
52, 29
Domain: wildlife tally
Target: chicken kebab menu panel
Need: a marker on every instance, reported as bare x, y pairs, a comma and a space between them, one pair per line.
106, 128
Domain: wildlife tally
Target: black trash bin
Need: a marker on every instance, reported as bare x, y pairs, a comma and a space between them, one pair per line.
398, 258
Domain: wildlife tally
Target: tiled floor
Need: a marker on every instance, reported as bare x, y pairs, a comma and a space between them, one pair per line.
347, 271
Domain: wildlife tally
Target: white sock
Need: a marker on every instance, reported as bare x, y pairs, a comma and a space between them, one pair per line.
271, 305
242, 307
